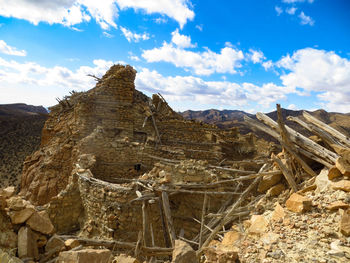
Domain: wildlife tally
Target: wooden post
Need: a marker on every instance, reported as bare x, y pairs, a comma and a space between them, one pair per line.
202, 219
165, 232
286, 173
145, 223
167, 212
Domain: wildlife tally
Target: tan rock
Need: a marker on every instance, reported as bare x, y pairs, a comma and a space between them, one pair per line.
71, 243
122, 258
27, 243
276, 190
41, 240
268, 181
278, 214
230, 238
322, 182
298, 203
16, 203
342, 185
3, 203
345, 223
337, 205
270, 238
55, 243
333, 173
19, 217
84, 256
40, 221
183, 253
8, 192
221, 254
343, 163
258, 225
8, 238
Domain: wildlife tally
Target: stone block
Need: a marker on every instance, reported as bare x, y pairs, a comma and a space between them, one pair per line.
84, 256
342, 185
19, 217
40, 221
183, 253
298, 203
27, 243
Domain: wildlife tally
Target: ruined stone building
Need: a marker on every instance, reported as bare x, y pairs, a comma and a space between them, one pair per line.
96, 143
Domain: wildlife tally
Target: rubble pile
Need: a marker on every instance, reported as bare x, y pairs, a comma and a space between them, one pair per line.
121, 177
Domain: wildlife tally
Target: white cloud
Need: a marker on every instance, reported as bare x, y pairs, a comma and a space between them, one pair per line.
161, 20
306, 20
108, 35
32, 83
291, 10
297, 1
8, 50
73, 12
268, 64
178, 10
325, 73
292, 107
199, 27
256, 56
133, 57
133, 37
279, 10
181, 41
202, 63
201, 93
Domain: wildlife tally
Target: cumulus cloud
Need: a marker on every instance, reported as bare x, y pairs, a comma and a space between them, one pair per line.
202, 63
256, 56
306, 20
200, 92
181, 41
297, 1
72, 12
291, 10
8, 50
133, 37
279, 10
178, 10
320, 71
32, 83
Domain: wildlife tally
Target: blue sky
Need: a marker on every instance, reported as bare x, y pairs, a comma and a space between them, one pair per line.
238, 54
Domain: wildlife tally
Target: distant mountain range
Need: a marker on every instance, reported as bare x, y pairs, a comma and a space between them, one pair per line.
21, 109
227, 119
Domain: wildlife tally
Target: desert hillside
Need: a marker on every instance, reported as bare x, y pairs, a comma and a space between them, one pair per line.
20, 133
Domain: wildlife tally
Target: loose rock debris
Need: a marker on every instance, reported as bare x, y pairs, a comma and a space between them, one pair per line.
121, 177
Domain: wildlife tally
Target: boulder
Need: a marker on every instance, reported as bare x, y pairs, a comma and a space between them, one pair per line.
343, 163
71, 243
345, 223
122, 258
337, 205
298, 203
16, 203
183, 253
27, 243
8, 238
84, 256
276, 190
19, 217
342, 185
322, 182
333, 173
268, 181
55, 243
8, 192
278, 214
258, 225
230, 238
40, 221
3, 203
221, 254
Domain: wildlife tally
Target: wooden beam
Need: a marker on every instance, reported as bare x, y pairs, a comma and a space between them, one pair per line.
301, 140
344, 139
286, 173
203, 217
167, 212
